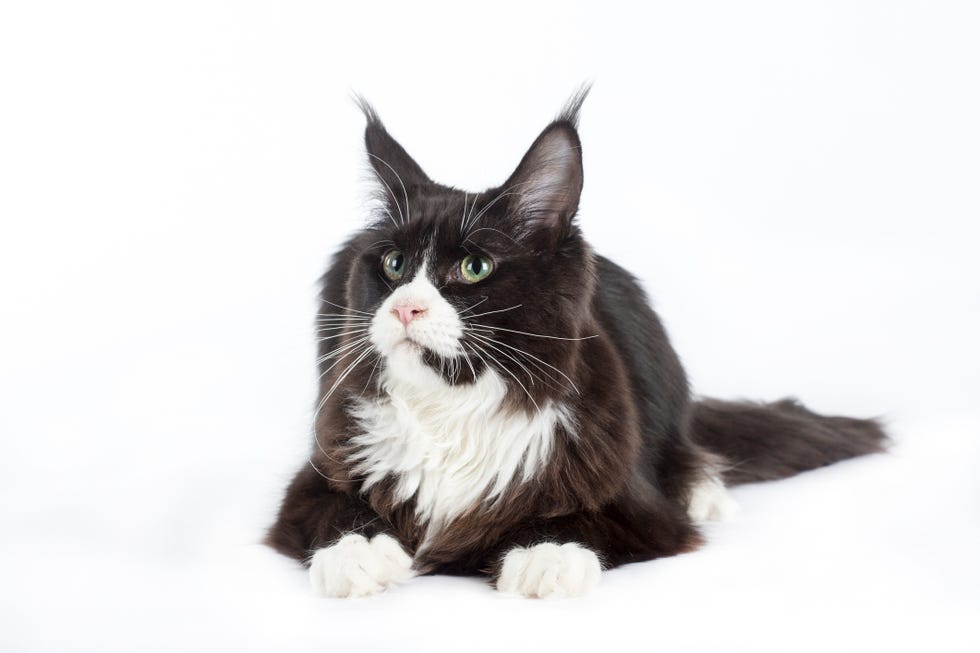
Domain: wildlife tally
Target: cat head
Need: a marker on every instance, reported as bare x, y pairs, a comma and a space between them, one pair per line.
450, 284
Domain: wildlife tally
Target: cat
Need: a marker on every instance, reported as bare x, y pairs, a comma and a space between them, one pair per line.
496, 399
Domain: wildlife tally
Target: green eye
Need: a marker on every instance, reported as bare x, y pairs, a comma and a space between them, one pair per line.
393, 264
476, 268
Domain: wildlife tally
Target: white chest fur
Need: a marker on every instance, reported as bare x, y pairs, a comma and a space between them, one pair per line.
451, 447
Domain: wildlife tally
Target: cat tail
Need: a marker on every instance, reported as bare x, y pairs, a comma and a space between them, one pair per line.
768, 441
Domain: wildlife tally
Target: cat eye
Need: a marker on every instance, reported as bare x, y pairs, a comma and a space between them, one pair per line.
393, 264
475, 268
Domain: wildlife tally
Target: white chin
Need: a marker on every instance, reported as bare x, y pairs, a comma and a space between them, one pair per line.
404, 359
405, 366
412, 349
406, 348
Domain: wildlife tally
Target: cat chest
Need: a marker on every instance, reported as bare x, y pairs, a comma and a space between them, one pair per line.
452, 452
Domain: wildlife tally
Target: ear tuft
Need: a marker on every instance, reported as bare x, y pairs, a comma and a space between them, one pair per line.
369, 113
570, 111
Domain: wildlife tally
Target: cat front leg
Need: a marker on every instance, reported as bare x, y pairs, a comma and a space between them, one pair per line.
549, 570
351, 551
355, 566
564, 556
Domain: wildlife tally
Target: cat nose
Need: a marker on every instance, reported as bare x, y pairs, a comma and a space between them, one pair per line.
406, 312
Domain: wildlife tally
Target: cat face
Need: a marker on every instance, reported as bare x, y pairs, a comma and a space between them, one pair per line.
450, 284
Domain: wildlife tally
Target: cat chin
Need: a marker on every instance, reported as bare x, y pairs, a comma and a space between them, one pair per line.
410, 348
404, 364
446, 348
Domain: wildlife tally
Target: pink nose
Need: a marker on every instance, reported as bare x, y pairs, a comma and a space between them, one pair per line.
408, 312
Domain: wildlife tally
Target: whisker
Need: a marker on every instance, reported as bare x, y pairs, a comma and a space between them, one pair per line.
391, 194
486, 208
467, 218
354, 328
536, 335
408, 209
466, 358
470, 308
346, 308
370, 376
388, 213
341, 316
512, 375
339, 322
350, 345
501, 310
323, 401
472, 349
381, 204
507, 236
492, 344
342, 323
505, 193
350, 368
337, 335
326, 371
380, 242
337, 362
317, 469
337, 326
532, 356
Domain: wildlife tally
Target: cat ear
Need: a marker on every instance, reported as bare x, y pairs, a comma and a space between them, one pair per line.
395, 169
547, 184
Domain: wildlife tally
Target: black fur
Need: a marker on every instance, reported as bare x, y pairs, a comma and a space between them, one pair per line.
769, 441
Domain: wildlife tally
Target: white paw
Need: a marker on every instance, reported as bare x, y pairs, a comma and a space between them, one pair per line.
354, 566
711, 501
549, 570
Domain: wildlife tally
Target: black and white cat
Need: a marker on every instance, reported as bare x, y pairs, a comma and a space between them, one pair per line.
497, 399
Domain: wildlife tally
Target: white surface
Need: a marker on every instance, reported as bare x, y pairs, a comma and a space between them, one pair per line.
797, 186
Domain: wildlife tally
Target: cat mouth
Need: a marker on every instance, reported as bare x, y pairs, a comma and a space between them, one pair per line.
417, 350
407, 344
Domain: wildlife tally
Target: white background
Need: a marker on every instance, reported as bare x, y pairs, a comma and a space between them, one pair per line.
795, 183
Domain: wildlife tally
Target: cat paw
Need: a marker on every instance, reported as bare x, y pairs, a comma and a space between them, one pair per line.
549, 570
711, 501
355, 566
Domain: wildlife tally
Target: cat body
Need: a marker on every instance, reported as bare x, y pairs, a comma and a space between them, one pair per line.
497, 399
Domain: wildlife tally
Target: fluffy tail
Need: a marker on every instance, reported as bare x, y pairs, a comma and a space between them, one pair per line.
764, 442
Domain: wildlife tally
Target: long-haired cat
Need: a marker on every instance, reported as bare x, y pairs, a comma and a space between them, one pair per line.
497, 399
